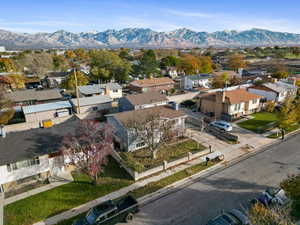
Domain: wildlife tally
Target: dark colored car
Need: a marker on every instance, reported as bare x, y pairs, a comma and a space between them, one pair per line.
110, 212
232, 217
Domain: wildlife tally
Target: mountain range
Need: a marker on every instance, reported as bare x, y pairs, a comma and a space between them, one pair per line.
146, 38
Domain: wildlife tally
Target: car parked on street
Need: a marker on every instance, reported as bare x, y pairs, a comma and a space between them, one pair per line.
232, 217
223, 125
110, 212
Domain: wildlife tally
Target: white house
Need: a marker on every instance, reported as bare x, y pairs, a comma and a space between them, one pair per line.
195, 81
32, 155
114, 90
277, 92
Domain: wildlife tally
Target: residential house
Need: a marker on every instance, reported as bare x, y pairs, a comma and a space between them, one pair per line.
32, 155
277, 91
124, 138
95, 106
193, 82
230, 73
170, 71
142, 101
229, 105
34, 96
161, 84
47, 111
114, 90
54, 79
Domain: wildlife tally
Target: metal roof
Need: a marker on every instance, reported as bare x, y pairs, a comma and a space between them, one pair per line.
98, 88
279, 86
46, 107
94, 100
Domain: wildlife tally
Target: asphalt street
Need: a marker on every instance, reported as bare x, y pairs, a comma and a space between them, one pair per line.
230, 188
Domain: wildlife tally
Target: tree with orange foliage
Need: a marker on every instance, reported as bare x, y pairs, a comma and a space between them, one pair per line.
237, 61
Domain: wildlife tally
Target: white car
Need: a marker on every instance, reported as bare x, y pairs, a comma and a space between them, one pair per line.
223, 125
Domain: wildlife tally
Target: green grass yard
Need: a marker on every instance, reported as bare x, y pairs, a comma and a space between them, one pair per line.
142, 160
49, 203
261, 122
154, 186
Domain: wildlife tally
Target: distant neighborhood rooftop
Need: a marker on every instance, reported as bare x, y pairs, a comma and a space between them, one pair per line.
199, 76
152, 82
38, 95
146, 98
140, 115
98, 88
46, 107
99, 99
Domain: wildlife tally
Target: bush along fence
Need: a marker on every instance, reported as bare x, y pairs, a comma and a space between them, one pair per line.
164, 166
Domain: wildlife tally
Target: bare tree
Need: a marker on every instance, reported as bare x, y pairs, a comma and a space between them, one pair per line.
152, 129
88, 148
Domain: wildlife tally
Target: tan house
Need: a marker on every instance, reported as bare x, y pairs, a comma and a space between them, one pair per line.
228, 105
161, 84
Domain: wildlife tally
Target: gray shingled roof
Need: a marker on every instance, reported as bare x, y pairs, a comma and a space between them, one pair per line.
94, 100
34, 95
98, 88
146, 98
22, 145
199, 77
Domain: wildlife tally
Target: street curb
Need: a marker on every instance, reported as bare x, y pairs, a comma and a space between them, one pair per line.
181, 184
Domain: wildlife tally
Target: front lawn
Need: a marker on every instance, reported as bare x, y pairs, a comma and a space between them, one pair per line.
292, 128
49, 203
261, 122
142, 160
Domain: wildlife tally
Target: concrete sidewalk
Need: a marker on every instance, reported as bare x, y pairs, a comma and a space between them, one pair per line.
1, 208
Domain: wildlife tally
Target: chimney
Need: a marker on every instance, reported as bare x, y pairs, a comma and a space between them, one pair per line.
220, 99
106, 92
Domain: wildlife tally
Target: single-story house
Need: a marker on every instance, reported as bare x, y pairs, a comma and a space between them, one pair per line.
124, 138
277, 91
47, 111
54, 79
196, 81
114, 90
160, 84
34, 96
228, 105
142, 101
27, 156
94, 106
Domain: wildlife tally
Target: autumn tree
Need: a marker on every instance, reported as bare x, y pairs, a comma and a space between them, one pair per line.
190, 64
287, 114
107, 65
70, 84
169, 61
151, 129
88, 148
233, 81
7, 65
220, 81
280, 71
60, 63
16, 81
260, 215
237, 61
6, 108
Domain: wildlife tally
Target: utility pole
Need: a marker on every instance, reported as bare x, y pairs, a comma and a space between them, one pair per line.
77, 92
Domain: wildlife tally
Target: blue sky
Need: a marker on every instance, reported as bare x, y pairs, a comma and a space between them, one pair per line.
164, 15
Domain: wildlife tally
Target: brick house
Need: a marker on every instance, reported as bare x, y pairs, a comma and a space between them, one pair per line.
228, 105
161, 84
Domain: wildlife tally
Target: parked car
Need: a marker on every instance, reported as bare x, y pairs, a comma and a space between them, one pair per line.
277, 195
232, 217
110, 212
223, 125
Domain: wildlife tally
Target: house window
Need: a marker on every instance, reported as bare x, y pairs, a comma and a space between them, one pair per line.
115, 91
140, 144
237, 107
95, 108
254, 101
23, 164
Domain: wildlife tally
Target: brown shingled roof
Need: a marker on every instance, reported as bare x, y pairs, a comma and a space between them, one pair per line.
240, 95
146, 98
152, 82
162, 111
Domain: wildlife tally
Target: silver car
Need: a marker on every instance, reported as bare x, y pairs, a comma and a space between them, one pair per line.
223, 125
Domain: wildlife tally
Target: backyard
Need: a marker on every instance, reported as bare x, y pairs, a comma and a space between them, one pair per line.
142, 160
49, 203
260, 123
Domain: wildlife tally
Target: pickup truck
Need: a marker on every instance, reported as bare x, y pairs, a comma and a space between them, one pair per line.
110, 212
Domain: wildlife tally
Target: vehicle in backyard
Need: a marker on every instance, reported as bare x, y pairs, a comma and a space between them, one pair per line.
110, 212
232, 217
223, 125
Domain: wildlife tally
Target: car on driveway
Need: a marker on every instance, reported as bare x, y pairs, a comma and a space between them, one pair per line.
232, 217
223, 125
